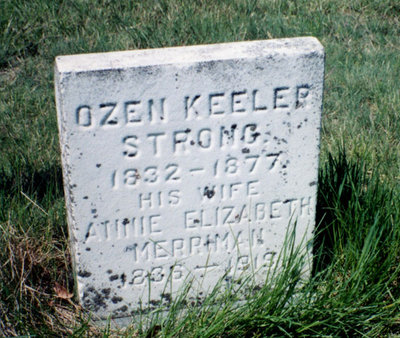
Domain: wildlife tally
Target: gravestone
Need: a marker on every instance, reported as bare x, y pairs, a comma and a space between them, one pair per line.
186, 164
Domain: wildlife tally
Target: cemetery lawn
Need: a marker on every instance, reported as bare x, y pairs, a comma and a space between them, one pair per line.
354, 288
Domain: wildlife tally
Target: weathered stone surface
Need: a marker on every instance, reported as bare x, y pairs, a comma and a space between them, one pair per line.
186, 163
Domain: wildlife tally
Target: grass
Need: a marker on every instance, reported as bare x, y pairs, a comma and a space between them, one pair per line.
354, 289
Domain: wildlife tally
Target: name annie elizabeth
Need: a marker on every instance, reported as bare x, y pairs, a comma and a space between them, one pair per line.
211, 218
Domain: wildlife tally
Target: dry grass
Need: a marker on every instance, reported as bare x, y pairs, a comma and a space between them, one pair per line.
35, 276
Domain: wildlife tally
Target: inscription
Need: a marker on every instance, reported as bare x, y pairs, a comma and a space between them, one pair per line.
234, 265
216, 217
109, 117
229, 191
246, 213
207, 229
183, 142
189, 246
182, 171
158, 274
159, 199
173, 173
84, 116
124, 228
138, 111
244, 101
150, 174
128, 113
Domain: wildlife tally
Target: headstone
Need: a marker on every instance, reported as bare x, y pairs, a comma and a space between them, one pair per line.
186, 164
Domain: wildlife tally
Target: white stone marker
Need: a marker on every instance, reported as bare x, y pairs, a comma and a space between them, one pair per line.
186, 164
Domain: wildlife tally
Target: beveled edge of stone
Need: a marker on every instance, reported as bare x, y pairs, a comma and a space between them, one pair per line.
186, 54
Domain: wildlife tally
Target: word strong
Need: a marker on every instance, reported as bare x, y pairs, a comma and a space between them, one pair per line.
186, 164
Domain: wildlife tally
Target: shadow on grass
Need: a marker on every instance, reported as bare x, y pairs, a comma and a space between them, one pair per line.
350, 200
47, 182
336, 180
